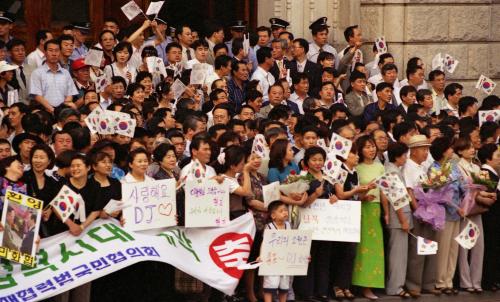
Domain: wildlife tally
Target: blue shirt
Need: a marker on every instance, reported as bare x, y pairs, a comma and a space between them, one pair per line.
458, 191
161, 48
275, 175
53, 86
79, 52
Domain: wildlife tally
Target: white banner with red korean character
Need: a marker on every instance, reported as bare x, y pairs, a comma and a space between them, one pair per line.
211, 255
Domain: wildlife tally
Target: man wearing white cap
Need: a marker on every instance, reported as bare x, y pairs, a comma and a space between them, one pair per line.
421, 271
6, 75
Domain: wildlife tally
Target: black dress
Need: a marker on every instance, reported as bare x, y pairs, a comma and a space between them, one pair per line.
491, 227
50, 189
105, 194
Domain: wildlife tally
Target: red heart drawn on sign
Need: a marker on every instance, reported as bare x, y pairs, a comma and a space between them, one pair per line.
165, 209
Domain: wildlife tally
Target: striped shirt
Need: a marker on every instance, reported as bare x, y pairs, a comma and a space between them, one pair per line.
236, 94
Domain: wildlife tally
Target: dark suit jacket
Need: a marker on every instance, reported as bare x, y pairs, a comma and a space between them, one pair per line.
313, 72
275, 71
401, 109
495, 208
27, 244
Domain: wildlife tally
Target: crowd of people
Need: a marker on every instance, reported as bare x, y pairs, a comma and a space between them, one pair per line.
292, 92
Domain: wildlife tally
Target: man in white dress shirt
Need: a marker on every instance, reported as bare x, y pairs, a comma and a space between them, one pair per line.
414, 76
453, 93
389, 75
384, 59
185, 39
319, 30
262, 74
300, 89
437, 79
37, 56
200, 153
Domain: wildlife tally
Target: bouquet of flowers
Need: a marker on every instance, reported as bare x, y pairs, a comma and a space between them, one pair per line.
296, 183
483, 178
437, 178
475, 184
434, 192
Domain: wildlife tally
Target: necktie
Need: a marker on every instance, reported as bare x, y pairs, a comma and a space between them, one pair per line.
321, 50
394, 101
23, 77
188, 53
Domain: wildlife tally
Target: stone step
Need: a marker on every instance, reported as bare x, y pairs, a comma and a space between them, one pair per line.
486, 296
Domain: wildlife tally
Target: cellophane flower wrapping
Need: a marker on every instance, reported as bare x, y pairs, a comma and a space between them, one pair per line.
298, 187
431, 205
296, 183
483, 178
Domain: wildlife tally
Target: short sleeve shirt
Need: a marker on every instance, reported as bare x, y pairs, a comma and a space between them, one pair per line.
413, 173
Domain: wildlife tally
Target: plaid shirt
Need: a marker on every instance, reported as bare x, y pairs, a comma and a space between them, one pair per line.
53, 86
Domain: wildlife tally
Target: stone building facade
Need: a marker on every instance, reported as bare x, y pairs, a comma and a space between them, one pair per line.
468, 30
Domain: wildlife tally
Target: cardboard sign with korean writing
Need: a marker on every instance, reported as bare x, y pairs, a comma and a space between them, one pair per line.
207, 203
152, 204
21, 221
340, 221
285, 252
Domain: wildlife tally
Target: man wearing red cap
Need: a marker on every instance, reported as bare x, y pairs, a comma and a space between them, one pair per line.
81, 75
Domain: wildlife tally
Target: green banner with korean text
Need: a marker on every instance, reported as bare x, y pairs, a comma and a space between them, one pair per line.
211, 255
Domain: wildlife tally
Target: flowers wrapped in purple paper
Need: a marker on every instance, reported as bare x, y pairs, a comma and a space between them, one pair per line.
431, 203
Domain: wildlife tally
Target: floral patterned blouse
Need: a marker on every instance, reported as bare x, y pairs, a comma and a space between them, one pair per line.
257, 181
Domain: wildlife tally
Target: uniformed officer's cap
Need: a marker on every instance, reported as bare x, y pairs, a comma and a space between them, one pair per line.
238, 25
84, 27
6, 17
161, 19
319, 24
277, 22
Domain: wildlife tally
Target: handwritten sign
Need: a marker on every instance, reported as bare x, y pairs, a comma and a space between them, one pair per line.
21, 221
207, 203
340, 221
285, 252
152, 204
271, 192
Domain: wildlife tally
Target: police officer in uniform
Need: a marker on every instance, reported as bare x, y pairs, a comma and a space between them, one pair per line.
6, 25
278, 26
319, 30
81, 31
238, 29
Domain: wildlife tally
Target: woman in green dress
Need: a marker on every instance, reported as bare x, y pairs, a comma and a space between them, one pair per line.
369, 262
